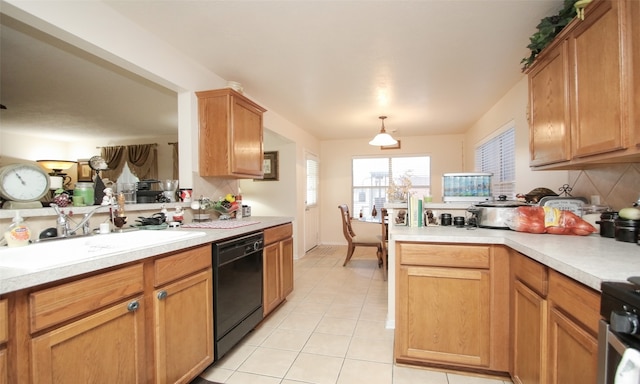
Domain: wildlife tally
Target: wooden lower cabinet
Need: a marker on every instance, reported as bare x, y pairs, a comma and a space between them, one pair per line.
277, 266
456, 329
452, 306
105, 347
574, 312
529, 336
554, 326
147, 322
4, 337
183, 315
529, 312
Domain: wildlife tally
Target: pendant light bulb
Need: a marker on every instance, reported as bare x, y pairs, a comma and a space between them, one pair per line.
383, 138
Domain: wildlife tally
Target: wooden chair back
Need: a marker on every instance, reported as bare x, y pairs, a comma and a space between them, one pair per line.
347, 230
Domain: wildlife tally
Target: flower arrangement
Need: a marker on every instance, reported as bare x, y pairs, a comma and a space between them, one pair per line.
400, 190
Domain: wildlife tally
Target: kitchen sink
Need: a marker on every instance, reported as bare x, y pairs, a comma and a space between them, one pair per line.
45, 254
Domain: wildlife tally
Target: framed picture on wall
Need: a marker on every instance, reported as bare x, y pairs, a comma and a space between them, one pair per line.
270, 166
84, 170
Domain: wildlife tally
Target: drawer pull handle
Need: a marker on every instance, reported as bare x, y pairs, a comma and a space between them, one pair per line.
162, 295
133, 306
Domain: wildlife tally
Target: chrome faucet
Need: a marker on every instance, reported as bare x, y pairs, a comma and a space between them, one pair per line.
63, 222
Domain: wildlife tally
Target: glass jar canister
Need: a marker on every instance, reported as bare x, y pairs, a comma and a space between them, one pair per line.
86, 191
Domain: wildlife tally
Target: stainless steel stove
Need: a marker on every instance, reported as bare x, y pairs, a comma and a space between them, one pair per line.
619, 332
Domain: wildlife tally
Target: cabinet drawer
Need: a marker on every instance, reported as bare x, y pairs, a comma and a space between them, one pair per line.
51, 306
4, 321
575, 300
533, 274
444, 255
182, 264
273, 234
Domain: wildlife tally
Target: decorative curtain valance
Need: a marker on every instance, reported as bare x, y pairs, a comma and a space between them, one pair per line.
176, 161
142, 159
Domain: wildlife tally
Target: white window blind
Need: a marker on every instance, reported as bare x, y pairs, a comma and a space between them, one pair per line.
371, 178
497, 156
312, 182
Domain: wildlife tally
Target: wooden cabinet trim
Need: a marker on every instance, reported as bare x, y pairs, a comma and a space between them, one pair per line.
4, 321
281, 232
575, 300
54, 305
445, 255
186, 262
531, 273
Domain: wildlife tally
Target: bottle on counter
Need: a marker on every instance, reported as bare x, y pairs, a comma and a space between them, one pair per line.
374, 211
18, 234
239, 202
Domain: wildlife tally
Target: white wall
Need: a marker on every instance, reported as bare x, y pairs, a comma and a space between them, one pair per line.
335, 172
98, 29
512, 106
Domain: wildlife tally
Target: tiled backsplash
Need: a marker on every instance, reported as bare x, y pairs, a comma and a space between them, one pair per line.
618, 185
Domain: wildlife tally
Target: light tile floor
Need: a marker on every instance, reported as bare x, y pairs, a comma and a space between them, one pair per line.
331, 330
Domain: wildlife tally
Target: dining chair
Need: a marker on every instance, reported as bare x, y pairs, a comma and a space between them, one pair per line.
354, 240
384, 243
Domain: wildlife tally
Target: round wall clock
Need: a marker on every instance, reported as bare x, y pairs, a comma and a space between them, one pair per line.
23, 185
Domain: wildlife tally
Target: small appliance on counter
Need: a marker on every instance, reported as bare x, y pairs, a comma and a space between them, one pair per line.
494, 214
466, 187
146, 192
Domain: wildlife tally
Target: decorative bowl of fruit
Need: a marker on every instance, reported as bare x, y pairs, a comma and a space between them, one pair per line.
226, 206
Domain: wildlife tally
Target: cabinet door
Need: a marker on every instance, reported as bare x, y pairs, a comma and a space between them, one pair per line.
4, 337
634, 22
183, 314
443, 315
573, 352
105, 347
272, 290
549, 135
598, 116
286, 254
529, 336
246, 139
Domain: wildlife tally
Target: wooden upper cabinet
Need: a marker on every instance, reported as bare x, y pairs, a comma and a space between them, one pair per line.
599, 113
549, 139
231, 134
583, 108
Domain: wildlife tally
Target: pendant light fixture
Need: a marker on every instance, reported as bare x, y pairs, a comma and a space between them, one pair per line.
383, 138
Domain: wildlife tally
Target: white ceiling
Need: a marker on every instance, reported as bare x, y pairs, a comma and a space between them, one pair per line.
330, 67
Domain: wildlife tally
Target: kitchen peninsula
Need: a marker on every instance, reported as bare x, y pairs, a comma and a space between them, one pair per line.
485, 300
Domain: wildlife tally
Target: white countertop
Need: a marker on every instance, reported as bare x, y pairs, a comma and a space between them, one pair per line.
16, 278
587, 259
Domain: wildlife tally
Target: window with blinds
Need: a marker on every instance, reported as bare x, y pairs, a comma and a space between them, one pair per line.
497, 156
312, 182
372, 176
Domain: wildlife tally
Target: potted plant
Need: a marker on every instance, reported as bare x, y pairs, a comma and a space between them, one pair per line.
548, 28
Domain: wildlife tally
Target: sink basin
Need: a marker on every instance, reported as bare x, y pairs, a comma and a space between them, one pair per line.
46, 254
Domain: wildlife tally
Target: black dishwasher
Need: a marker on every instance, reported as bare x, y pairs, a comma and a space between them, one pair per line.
237, 289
